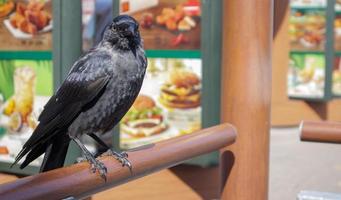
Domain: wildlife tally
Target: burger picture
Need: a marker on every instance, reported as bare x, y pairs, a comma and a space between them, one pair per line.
143, 119
182, 90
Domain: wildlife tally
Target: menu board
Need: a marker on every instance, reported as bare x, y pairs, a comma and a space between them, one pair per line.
166, 24
307, 58
306, 75
26, 73
25, 25
338, 5
169, 103
25, 87
337, 33
88, 23
307, 30
308, 3
336, 86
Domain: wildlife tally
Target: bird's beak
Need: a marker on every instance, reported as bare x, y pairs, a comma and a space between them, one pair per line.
130, 32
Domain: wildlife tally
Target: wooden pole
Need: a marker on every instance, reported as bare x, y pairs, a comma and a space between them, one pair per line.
246, 96
78, 182
326, 131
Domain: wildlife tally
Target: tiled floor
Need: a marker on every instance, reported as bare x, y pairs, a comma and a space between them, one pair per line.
296, 165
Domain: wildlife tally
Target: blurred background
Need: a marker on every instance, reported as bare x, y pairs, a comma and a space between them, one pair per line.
183, 41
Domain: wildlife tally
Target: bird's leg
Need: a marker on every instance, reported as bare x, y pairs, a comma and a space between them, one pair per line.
122, 157
95, 164
98, 140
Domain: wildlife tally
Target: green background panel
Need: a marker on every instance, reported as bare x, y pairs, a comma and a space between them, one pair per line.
42, 68
26, 55
173, 54
300, 60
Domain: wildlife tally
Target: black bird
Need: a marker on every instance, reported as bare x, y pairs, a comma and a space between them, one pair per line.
99, 89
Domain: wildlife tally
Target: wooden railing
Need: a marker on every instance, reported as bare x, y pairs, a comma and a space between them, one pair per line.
78, 182
320, 131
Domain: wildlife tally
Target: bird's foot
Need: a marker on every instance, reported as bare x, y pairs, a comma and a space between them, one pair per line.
97, 165
121, 157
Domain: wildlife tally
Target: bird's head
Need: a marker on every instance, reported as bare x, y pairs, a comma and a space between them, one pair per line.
123, 33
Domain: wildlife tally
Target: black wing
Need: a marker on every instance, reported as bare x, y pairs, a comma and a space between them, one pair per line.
78, 90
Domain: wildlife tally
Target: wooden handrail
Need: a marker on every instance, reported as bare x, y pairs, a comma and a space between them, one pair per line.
325, 131
77, 181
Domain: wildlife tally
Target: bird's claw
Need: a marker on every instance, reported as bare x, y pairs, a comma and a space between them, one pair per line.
125, 162
100, 167
124, 154
122, 158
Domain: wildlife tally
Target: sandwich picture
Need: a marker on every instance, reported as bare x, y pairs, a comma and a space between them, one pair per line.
182, 90
143, 119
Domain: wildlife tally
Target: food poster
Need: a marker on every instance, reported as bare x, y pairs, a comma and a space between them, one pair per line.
337, 32
25, 25
88, 23
25, 87
307, 30
338, 6
308, 3
169, 103
166, 24
336, 88
306, 75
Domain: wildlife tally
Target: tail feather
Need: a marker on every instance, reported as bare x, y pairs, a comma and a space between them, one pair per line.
55, 150
35, 153
55, 153
37, 148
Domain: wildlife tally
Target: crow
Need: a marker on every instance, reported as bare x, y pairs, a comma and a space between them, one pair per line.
99, 89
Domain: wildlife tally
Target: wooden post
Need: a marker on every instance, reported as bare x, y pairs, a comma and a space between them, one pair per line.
246, 95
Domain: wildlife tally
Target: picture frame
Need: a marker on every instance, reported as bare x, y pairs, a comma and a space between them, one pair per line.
310, 83
211, 17
63, 58
60, 69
